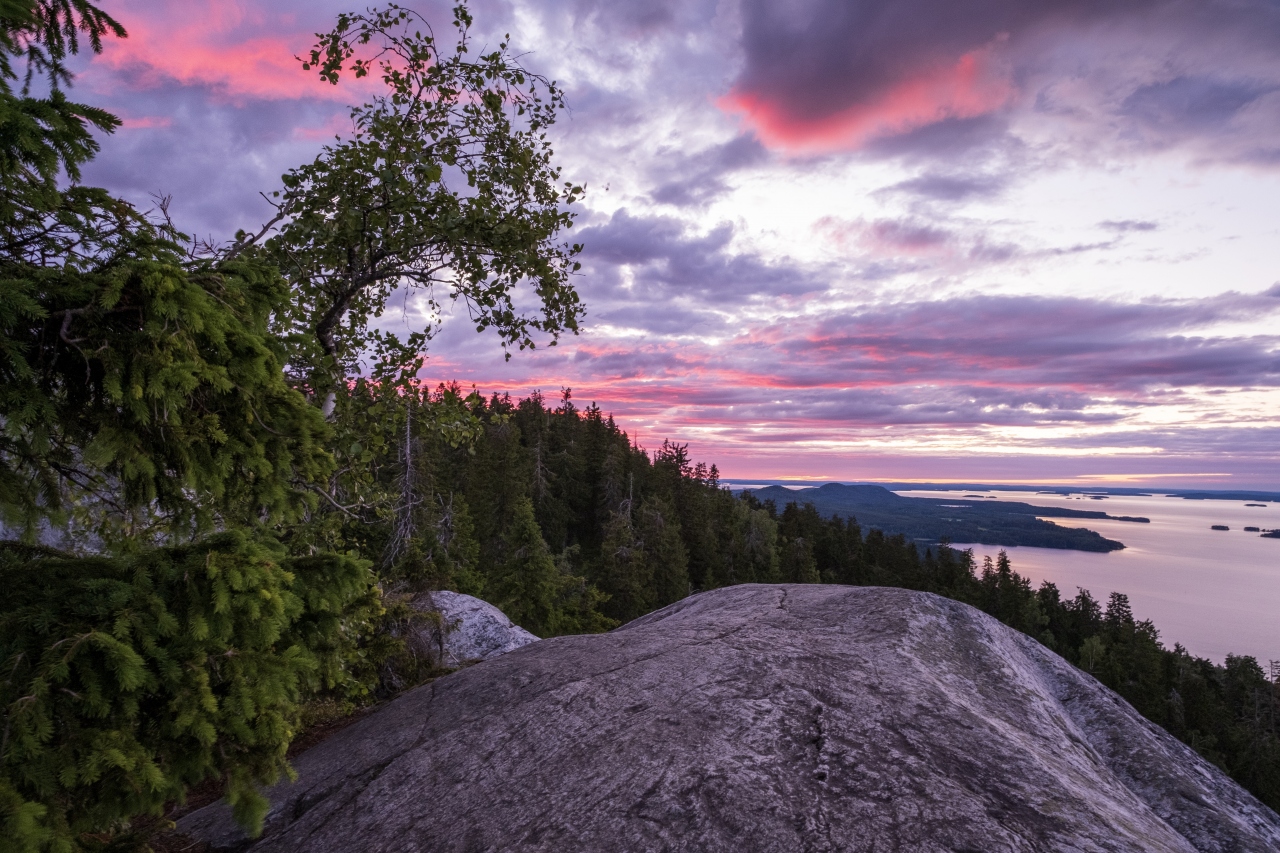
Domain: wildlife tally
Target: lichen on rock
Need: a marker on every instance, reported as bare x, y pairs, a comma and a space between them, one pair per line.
469, 629
762, 718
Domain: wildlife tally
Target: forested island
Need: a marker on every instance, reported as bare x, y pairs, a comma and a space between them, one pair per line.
936, 520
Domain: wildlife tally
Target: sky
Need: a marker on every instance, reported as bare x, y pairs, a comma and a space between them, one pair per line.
967, 240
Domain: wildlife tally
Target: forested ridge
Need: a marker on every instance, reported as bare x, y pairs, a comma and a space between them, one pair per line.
625, 531
931, 520
223, 486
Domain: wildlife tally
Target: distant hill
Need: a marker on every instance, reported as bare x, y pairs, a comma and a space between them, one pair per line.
1126, 491
931, 520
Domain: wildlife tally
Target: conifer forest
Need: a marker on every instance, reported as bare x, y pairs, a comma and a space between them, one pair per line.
223, 486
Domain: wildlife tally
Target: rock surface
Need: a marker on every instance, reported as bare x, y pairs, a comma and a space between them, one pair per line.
762, 718
471, 629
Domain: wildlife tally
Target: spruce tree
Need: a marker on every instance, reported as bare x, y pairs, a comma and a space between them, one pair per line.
126, 680
663, 550
625, 573
135, 386
142, 398
525, 585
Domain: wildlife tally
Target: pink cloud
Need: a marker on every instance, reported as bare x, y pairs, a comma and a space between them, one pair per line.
972, 86
145, 122
239, 50
827, 397
887, 237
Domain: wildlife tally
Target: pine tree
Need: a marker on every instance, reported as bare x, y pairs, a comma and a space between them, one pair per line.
797, 564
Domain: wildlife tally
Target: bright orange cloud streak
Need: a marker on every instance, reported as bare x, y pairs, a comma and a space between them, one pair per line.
973, 86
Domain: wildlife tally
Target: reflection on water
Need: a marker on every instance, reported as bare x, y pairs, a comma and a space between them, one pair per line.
1214, 591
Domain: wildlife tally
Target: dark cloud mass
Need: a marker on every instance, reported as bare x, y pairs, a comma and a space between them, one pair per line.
881, 75
809, 63
814, 60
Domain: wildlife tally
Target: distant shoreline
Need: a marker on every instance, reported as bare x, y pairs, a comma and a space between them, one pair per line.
931, 521
1126, 491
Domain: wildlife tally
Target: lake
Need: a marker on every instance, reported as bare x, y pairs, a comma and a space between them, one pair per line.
1215, 592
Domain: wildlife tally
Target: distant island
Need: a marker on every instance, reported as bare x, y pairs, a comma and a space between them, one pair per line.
1097, 493
1085, 491
931, 520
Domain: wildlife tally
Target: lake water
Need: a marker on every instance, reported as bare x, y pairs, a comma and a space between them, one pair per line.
1216, 592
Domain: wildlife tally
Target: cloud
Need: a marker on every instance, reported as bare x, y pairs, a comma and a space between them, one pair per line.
633, 20
1098, 348
952, 187
1125, 226
973, 362
1190, 104
701, 178
971, 86
890, 237
829, 74
212, 156
902, 76
236, 50
659, 259
925, 243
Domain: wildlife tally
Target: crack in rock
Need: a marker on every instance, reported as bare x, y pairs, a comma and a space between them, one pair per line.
762, 718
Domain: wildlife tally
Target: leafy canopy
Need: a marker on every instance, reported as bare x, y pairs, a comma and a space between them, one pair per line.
446, 182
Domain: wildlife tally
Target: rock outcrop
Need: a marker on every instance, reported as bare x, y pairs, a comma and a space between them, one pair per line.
762, 718
470, 630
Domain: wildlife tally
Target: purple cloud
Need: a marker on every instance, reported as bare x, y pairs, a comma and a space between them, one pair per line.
667, 263
914, 76
939, 118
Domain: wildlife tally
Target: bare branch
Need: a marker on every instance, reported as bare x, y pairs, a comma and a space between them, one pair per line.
238, 249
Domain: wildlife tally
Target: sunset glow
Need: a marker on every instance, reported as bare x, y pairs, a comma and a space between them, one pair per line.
1028, 245
967, 89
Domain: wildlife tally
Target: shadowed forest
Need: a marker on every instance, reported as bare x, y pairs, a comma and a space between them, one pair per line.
621, 532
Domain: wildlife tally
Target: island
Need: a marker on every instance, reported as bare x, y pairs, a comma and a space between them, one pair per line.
1088, 492
932, 520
